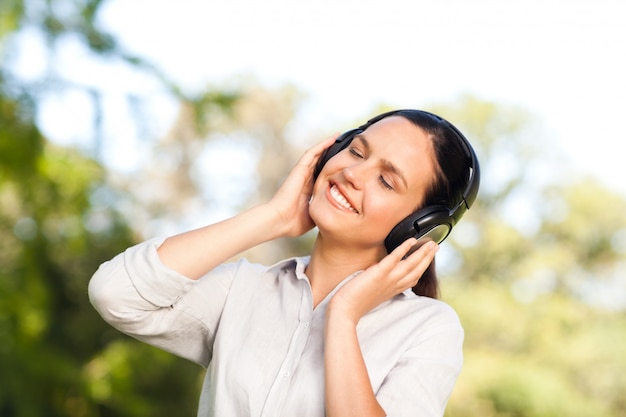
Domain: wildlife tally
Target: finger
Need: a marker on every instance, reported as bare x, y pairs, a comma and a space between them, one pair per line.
422, 250
411, 262
421, 259
423, 256
314, 153
407, 248
393, 259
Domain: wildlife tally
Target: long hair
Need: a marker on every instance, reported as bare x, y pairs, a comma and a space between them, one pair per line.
451, 177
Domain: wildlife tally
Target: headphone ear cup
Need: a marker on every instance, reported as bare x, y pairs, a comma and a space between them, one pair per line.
340, 144
431, 223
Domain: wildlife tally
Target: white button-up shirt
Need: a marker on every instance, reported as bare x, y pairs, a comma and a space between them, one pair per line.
255, 330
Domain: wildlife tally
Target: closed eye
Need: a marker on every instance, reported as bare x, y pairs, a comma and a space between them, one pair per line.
356, 152
385, 183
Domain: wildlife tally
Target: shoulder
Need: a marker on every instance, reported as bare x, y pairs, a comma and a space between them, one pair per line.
425, 306
434, 308
425, 316
427, 360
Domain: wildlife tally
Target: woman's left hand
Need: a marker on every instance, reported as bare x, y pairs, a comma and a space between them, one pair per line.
348, 387
382, 281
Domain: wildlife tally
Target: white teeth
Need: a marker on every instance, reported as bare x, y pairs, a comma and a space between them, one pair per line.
340, 199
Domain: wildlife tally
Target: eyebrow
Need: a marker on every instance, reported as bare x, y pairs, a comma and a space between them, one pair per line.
388, 165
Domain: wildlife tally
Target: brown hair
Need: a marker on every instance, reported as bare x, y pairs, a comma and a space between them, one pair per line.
450, 180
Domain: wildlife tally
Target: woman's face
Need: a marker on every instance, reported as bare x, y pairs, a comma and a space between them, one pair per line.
378, 180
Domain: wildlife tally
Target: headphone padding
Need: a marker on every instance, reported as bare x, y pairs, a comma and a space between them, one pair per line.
431, 223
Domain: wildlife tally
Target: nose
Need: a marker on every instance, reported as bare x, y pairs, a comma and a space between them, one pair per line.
354, 175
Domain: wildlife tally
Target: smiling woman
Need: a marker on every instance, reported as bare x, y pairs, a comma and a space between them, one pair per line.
335, 333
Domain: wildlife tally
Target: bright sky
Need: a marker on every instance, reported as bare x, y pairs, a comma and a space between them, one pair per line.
564, 61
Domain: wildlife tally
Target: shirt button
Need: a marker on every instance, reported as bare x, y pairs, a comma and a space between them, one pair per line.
286, 374
306, 324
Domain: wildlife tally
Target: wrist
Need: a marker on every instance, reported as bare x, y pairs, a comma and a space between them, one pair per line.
341, 313
269, 222
275, 220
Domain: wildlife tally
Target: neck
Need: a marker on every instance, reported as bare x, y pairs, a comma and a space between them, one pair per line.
331, 263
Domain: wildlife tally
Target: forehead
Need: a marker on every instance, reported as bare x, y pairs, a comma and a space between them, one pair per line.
398, 134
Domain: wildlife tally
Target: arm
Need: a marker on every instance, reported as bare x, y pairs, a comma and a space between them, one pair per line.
146, 291
136, 294
348, 387
286, 215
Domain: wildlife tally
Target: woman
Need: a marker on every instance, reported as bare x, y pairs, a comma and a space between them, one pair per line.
339, 333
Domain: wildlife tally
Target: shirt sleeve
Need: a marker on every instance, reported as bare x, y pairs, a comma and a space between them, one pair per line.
140, 296
421, 382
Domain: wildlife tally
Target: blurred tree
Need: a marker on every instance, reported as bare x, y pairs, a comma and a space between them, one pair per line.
58, 222
239, 157
582, 243
59, 219
536, 277
509, 149
260, 123
37, 37
537, 226
551, 356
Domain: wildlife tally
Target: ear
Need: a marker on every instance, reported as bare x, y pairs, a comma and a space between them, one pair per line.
430, 223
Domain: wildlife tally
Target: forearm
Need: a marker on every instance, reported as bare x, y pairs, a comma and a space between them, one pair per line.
348, 388
198, 251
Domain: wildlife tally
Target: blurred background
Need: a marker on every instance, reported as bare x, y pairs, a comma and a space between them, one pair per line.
123, 120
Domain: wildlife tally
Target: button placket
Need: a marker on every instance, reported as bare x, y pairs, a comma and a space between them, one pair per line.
280, 387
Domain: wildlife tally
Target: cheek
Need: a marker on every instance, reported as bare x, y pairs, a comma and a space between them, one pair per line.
388, 212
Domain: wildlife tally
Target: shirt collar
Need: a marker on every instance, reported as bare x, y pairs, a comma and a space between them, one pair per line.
299, 263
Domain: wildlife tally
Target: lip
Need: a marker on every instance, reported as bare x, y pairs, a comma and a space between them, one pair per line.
341, 190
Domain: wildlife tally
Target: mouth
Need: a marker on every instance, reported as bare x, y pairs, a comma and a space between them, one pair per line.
340, 199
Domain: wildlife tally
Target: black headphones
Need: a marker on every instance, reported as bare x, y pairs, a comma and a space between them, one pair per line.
433, 222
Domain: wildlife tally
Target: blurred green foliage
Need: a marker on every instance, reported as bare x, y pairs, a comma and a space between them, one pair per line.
539, 284
58, 222
550, 357
540, 342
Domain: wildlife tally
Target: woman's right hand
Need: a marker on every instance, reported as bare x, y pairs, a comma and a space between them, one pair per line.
291, 201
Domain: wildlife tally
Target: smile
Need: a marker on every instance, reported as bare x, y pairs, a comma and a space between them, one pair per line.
340, 199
